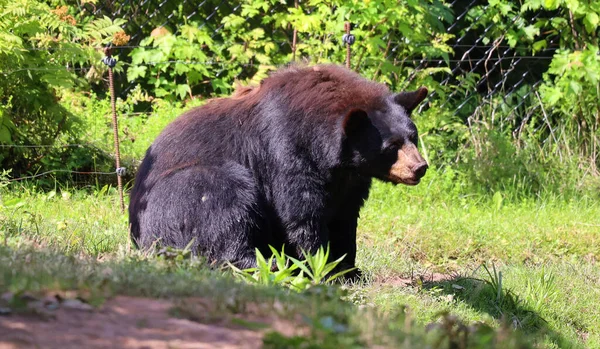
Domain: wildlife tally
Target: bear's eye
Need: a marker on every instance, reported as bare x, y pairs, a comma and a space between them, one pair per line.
392, 145
414, 138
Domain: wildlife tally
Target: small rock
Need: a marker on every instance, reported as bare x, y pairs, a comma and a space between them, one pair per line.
51, 303
52, 306
35, 305
5, 311
38, 307
76, 304
7, 297
278, 306
28, 297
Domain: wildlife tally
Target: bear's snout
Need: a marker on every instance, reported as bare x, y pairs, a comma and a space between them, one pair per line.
409, 167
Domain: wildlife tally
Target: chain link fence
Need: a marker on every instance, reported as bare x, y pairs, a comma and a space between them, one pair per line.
491, 68
483, 75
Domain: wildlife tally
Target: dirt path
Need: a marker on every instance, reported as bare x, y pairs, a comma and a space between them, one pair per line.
123, 322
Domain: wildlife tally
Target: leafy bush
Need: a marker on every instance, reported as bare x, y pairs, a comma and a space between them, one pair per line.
41, 49
166, 65
572, 90
256, 40
536, 138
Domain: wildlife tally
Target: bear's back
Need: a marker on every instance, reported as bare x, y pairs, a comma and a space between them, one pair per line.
294, 104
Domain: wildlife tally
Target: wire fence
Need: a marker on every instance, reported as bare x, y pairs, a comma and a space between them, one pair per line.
493, 70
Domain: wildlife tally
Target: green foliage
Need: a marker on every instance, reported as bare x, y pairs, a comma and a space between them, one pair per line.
574, 22
137, 130
491, 143
281, 269
448, 332
572, 90
552, 135
541, 291
258, 39
174, 65
507, 23
538, 138
40, 50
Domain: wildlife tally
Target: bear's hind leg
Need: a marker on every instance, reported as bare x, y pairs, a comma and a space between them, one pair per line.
219, 208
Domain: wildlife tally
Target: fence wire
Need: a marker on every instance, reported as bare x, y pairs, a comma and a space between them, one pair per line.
497, 67
496, 73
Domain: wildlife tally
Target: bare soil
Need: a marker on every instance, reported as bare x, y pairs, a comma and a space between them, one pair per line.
130, 322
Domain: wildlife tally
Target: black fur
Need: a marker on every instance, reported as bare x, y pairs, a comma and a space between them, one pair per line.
289, 162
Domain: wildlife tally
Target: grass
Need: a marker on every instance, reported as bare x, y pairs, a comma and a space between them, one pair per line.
544, 250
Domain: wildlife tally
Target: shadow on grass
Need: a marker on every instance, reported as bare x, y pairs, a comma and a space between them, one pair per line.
488, 296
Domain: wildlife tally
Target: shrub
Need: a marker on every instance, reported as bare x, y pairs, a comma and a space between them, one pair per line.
41, 50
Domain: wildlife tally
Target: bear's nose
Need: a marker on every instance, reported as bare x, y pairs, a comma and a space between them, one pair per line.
420, 169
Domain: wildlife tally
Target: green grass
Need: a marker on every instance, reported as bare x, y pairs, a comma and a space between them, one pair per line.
545, 248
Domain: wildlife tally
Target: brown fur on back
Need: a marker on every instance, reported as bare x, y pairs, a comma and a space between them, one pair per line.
317, 90
244, 91
330, 87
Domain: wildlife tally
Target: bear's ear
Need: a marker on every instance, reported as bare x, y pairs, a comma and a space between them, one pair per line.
410, 100
354, 121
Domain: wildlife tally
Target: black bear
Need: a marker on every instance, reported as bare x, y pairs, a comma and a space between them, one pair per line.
289, 162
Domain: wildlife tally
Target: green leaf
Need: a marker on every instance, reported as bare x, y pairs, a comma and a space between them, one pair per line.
13, 203
332, 265
498, 200
574, 5
575, 87
341, 273
182, 90
262, 59
161, 92
559, 22
269, 47
512, 38
560, 63
5, 136
257, 33
220, 85
135, 72
531, 31
186, 52
551, 4
58, 78
300, 282
181, 68
552, 95
189, 32
233, 21
302, 266
139, 56
260, 259
591, 22
539, 45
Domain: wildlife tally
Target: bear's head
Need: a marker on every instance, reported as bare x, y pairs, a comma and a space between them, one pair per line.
382, 141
